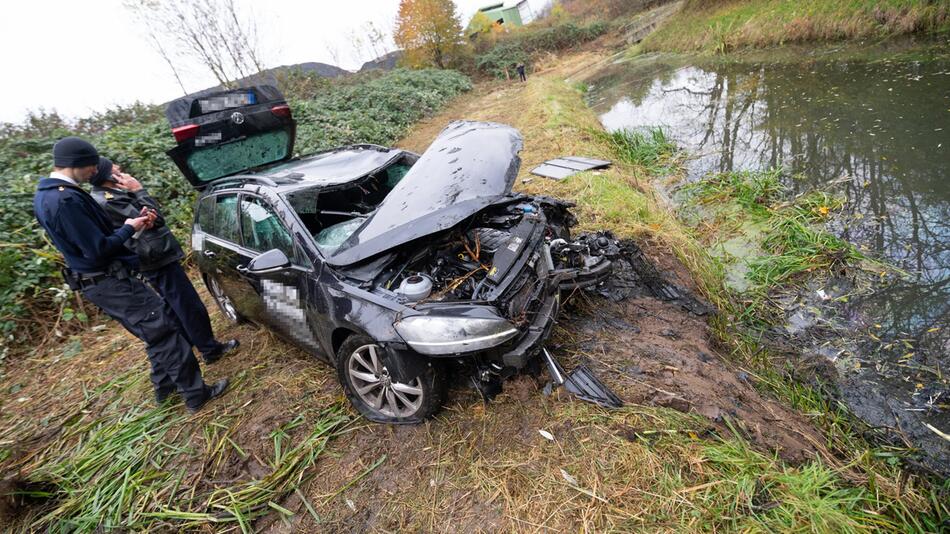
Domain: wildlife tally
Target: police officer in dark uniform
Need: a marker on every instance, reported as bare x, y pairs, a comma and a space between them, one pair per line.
100, 266
159, 253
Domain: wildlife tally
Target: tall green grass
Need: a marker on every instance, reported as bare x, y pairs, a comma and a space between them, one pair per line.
650, 148
793, 242
722, 26
112, 476
125, 473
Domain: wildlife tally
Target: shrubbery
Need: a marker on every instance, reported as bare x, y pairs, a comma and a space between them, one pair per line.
362, 109
521, 46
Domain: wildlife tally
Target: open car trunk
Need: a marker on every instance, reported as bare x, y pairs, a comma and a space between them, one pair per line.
223, 133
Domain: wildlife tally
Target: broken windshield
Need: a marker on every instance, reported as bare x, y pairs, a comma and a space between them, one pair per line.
467, 167
332, 214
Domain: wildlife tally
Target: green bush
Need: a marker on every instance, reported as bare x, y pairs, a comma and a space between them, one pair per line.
522, 45
361, 109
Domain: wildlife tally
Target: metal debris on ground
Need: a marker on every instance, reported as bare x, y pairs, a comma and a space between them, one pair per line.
581, 382
561, 168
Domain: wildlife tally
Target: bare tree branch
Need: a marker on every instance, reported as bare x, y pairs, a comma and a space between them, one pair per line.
210, 33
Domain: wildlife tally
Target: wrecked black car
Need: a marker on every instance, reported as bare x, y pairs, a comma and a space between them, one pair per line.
387, 264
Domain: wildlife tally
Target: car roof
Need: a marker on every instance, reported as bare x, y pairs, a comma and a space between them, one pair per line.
333, 167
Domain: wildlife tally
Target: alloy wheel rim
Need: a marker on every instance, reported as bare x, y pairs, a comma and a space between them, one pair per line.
371, 382
226, 305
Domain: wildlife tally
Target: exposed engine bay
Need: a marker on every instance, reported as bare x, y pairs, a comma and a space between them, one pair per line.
507, 255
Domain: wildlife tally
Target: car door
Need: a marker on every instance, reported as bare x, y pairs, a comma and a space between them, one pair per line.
221, 254
281, 294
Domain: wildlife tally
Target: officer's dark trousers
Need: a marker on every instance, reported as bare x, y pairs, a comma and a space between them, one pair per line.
173, 285
143, 313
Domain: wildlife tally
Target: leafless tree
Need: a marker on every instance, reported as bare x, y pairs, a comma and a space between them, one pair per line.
334, 52
210, 33
357, 46
378, 39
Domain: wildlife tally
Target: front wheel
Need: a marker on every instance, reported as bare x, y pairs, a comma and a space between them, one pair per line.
225, 304
377, 395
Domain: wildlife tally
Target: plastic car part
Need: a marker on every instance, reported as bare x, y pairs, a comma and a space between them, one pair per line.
415, 287
455, 330
561, 168
582, 383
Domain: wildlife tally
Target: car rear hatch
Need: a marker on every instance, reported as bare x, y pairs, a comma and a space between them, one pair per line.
229, 132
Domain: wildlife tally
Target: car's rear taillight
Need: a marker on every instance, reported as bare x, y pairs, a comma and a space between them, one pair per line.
281, 111
183, 133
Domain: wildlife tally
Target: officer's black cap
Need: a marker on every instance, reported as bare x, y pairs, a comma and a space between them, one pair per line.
74, 152
103, 171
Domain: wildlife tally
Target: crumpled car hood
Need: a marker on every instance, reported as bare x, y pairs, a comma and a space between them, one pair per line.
469, 166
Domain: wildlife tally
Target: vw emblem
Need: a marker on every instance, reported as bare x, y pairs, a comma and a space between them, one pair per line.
237, 118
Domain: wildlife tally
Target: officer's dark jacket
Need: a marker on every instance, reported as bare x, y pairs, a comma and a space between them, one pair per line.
156, 247
79, 228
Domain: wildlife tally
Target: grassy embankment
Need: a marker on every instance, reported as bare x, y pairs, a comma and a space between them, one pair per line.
108, 459
117, 462
555, 121
727, 25
272, 448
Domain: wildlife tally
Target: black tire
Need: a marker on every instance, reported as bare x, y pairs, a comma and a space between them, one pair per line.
223, 301
414, 402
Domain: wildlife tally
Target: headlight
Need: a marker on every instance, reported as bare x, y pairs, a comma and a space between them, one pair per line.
435, 334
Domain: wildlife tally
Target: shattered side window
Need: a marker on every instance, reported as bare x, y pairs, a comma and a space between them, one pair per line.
225, 218
213, 162
263, 230
205, 216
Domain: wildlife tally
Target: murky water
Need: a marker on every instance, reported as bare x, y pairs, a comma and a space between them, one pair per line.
876, 131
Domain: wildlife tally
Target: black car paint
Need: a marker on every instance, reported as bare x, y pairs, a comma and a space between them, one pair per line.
330, 306
224, 125
468, 171
468, 167
333, 306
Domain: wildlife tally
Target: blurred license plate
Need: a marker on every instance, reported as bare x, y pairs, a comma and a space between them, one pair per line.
228, 101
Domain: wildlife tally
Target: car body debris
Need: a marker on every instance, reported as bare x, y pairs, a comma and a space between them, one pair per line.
561, 168
581, 382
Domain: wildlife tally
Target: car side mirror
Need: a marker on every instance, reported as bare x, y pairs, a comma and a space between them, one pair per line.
272, 261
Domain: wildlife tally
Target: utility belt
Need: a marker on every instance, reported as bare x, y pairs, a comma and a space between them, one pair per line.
79, 281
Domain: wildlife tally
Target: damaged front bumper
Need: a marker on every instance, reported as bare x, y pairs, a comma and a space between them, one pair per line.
464, 329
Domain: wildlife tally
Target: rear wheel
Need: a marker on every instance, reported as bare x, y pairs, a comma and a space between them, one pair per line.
224, 302
377, 395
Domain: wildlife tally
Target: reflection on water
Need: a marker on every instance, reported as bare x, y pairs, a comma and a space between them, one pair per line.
880, 129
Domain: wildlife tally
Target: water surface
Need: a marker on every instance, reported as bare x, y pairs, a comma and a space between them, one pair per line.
875, 131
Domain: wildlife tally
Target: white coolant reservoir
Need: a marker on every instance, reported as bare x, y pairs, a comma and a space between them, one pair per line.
415, 287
